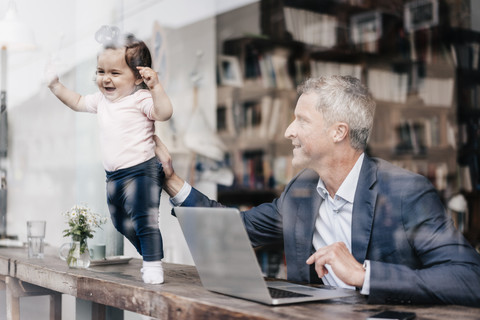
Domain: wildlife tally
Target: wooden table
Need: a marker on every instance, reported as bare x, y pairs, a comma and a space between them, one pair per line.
182, 295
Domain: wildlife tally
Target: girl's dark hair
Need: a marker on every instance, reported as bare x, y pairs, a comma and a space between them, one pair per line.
137, 55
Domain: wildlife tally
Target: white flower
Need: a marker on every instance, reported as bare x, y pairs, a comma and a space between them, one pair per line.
82, 222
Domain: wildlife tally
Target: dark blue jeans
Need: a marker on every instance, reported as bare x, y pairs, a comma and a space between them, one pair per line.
133, 196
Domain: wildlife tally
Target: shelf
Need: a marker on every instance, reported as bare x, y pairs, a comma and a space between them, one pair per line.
468, 114
415, 105
324, 6
468, 75
262, 44
246, 197
251, 90
425, 82
460, 35
469, 151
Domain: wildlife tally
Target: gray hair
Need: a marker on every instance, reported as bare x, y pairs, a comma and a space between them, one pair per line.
344, 99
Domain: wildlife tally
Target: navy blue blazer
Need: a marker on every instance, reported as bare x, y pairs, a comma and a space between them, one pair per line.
399, 224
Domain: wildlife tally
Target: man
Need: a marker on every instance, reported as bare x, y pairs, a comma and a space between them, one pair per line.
360, 221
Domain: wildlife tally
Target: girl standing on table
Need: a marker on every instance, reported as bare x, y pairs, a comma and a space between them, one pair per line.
130, 100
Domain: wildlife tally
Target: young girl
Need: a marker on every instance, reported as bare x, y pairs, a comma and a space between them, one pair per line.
130, 100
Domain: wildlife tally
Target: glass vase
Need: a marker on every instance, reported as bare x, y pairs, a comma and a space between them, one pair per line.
77, 255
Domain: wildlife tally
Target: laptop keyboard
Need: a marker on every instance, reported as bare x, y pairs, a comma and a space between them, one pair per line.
279, 293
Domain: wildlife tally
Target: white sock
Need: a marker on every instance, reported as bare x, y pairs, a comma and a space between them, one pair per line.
152, 272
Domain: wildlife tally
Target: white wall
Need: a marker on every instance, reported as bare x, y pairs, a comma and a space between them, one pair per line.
54, 160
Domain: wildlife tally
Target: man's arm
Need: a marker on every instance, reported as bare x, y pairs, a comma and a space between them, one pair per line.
447, 269
263, 223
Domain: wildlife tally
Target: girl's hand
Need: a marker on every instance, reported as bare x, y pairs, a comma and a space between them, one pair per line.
50, 75
149, 76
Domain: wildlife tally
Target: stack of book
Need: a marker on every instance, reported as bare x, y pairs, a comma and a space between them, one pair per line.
310, 27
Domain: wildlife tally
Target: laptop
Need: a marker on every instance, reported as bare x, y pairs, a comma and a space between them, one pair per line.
227, 264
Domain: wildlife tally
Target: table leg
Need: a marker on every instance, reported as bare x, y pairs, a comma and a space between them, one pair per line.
56, 306
98, 311
17, 289
13, 301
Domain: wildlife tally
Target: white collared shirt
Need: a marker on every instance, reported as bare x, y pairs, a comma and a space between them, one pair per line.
334, 219
182, 195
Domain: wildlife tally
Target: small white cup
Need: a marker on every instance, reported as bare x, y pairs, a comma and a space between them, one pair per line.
97, 251
36, 236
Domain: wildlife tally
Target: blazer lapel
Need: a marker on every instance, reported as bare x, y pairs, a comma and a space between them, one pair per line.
307, 205
363, 209
311, 212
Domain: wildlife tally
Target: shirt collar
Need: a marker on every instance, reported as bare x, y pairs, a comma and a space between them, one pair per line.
349, 185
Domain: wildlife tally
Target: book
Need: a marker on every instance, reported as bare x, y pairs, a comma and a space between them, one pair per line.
311, 27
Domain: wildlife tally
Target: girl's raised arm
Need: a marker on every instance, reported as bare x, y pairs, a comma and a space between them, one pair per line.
162, 109
69, 97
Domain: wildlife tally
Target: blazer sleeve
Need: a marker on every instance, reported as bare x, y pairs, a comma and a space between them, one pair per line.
448, 268
263, 223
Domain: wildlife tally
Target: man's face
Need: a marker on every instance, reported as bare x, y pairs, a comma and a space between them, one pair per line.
308, 134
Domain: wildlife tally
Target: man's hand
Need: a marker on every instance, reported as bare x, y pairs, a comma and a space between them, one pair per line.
164, 157
173, 183
344, 265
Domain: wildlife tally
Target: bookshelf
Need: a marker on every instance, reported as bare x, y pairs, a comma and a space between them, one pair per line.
465, 48
413, 84
251, 121
414, 76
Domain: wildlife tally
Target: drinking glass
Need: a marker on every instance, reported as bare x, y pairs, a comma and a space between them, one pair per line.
36, 237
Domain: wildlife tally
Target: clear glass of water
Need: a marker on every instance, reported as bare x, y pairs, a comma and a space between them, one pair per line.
36, 236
